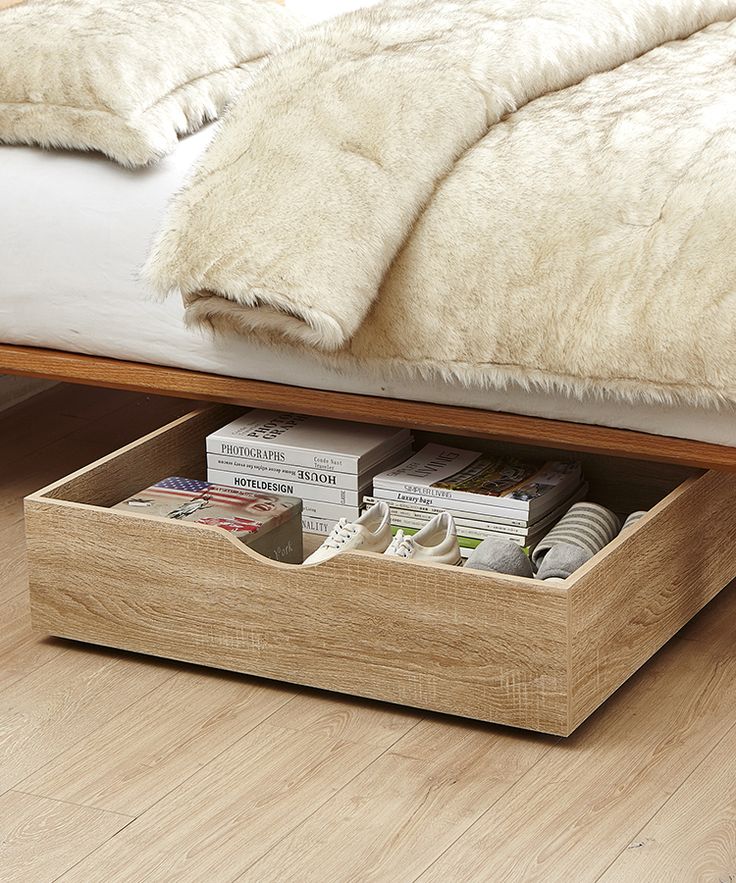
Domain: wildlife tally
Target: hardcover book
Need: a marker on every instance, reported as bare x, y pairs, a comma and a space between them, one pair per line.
319, 493
471, 478
309, 442
268, 523
303, 474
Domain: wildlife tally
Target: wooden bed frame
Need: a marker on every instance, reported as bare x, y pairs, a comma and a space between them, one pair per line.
157, 380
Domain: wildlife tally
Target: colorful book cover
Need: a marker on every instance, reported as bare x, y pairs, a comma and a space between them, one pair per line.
244, 514
458, 475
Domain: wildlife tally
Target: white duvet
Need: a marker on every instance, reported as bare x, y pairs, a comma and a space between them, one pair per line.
75, 230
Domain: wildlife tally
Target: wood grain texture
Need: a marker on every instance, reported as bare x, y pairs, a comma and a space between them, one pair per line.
582, 803
566, 816
40, 838
406, 808
21, 650
693, 836
421, 635
57, 704
224, 818
145, 751
645, 586
473, 422
476, 644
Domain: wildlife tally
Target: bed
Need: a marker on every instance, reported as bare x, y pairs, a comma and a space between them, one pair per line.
73, 306
71, 252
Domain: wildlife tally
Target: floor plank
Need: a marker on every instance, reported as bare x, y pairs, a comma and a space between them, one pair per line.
21, 649
407, 807
587, 797
41, 838
693, 836
153, 745
221, 820
56, 705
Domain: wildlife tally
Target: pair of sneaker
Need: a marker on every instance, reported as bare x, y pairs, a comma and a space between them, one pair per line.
435, 542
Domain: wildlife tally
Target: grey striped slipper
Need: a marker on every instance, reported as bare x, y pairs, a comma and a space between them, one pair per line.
582, 532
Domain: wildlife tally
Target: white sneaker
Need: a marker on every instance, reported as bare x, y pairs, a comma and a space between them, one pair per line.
435, 542
370, 533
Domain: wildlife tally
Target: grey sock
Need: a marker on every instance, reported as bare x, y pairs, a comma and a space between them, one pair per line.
562, 560
587, 525
632, 519
501, 556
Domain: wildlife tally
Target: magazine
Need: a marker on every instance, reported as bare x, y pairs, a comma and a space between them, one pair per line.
465, 521
483, 481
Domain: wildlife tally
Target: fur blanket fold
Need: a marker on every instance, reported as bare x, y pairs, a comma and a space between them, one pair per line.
529, 191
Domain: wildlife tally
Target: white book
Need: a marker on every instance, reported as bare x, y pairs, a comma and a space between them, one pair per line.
328, 511
318, 477
485, 481
430, 510
265, 485
317, 525
310, 442
464, 529
465, 524
437, 504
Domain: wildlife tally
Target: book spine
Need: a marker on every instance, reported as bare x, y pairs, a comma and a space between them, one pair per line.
419, 509
447, 497
329, 511
285, 488
464, 529
439, 504
317, 525
284, 472
231, 447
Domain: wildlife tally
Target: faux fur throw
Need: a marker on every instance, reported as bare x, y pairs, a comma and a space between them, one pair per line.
127, 78
538, 191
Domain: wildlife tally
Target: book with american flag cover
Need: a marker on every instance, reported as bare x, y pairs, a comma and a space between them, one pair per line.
268, 523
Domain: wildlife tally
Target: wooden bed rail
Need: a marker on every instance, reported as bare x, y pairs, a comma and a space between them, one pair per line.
538, 431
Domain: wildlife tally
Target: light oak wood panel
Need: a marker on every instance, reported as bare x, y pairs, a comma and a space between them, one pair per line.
474, 422
33, 468
40, 838
229, 814
56, 705
150, 747
693, 836
477, 644
585, 799
423, 635
654, 580
176, 448
405, 809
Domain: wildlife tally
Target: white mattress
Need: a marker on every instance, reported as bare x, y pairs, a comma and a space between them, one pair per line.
74, 230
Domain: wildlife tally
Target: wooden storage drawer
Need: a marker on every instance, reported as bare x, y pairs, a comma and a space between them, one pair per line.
504, 649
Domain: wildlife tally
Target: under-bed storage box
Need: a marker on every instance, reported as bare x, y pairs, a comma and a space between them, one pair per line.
531, 654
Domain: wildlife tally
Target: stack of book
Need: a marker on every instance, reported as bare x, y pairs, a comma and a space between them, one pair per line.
486, 495
328, 464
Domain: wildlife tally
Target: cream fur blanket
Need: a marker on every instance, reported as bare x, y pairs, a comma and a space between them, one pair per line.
536, 191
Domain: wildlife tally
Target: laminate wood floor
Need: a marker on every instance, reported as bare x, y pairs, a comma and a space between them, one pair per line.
116, 767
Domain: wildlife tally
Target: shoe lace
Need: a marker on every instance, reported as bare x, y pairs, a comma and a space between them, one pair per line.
401, 545
341, 533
